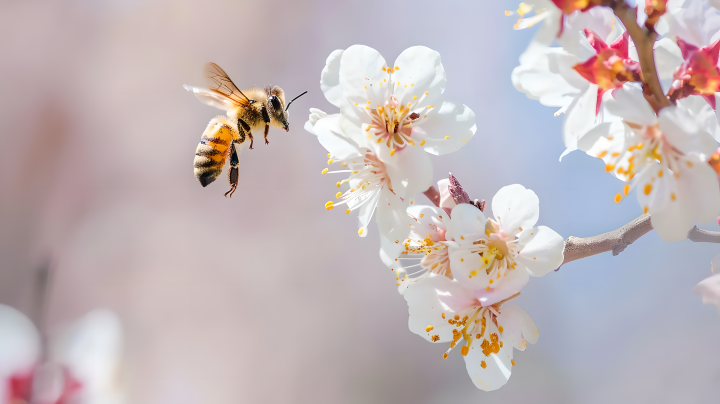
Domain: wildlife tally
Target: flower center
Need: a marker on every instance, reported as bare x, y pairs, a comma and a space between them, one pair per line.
496, 253
393, 121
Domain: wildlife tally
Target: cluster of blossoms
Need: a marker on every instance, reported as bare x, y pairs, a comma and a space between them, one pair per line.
468, 266
457, 267
77, 367
666, 148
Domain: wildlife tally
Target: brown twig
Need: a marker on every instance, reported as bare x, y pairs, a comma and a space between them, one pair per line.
644, 40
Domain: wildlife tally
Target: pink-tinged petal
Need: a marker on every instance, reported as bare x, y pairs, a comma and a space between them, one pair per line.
516, 208
420, 68
447, 202
542, 251
391, 216
467, 221
709, 288
330, 78
506, 286
518, 327
686, 48
446, 129
361, 68
19, 344
491, 372
428, 300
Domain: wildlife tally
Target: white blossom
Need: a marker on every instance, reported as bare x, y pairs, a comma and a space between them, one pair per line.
444, 310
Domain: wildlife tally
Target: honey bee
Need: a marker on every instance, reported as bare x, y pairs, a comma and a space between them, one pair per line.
252, 109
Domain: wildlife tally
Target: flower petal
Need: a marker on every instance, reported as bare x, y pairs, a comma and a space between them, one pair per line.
466, 220
409, 169
360, 69
515, 208
497, 369
683, 132
629, 104
709, 289
542, 251
421, 69
330, 78
518, 327
508, 285
446, 200
391, 216
431, 297
580, 116
446, 129
333, 140
19, 343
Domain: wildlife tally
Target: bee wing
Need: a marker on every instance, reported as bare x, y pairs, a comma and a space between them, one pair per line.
212, 98
218, 81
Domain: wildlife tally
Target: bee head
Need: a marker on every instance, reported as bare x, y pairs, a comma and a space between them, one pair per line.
276, 107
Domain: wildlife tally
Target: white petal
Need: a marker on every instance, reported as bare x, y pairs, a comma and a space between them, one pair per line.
431, 297
361, 67
683, 132
667, 58
422, 67
501, 289
391, 216
580, 116
549, 78
367, 209
331, 137
709, 289
518, 327
629, 103
516, 208
446, 129
466, 220
498, 367
91, 350
19, 344
542, 251
409, 169
330, 78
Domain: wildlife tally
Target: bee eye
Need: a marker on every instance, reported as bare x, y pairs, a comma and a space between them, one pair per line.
275, 103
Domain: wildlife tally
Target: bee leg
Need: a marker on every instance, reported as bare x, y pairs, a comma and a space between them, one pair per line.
242, 124
234, 172
266, 118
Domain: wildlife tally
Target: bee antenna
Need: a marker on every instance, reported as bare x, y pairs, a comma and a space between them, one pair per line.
291, 101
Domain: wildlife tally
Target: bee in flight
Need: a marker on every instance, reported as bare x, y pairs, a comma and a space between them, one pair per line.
252, 109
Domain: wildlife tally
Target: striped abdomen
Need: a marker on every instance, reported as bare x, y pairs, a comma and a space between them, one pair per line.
213, 149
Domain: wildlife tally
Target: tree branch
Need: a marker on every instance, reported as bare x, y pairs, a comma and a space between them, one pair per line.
615, 241
644, 40
703, 236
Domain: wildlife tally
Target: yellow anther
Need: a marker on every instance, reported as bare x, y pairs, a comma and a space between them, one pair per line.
618, 198
429, 328
426, 93
329, 155
645, 210
647, 189
491, 281
368, 102
360, 232
500, 328
447, 137
330, 207
464, 350
422, 142
347, 212
338, 184
329, 203
602, 154
324, 171
392, 152
384, 69
508, 12
331, 161
487, 232
483, 364
660, 174
689, 164
339, 194
512, 361
445, 355
431, 106
626, 189
414, 97
672, 196
473, 272
397, 68
463, 139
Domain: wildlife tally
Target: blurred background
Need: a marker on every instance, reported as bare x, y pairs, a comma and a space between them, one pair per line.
268, 297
